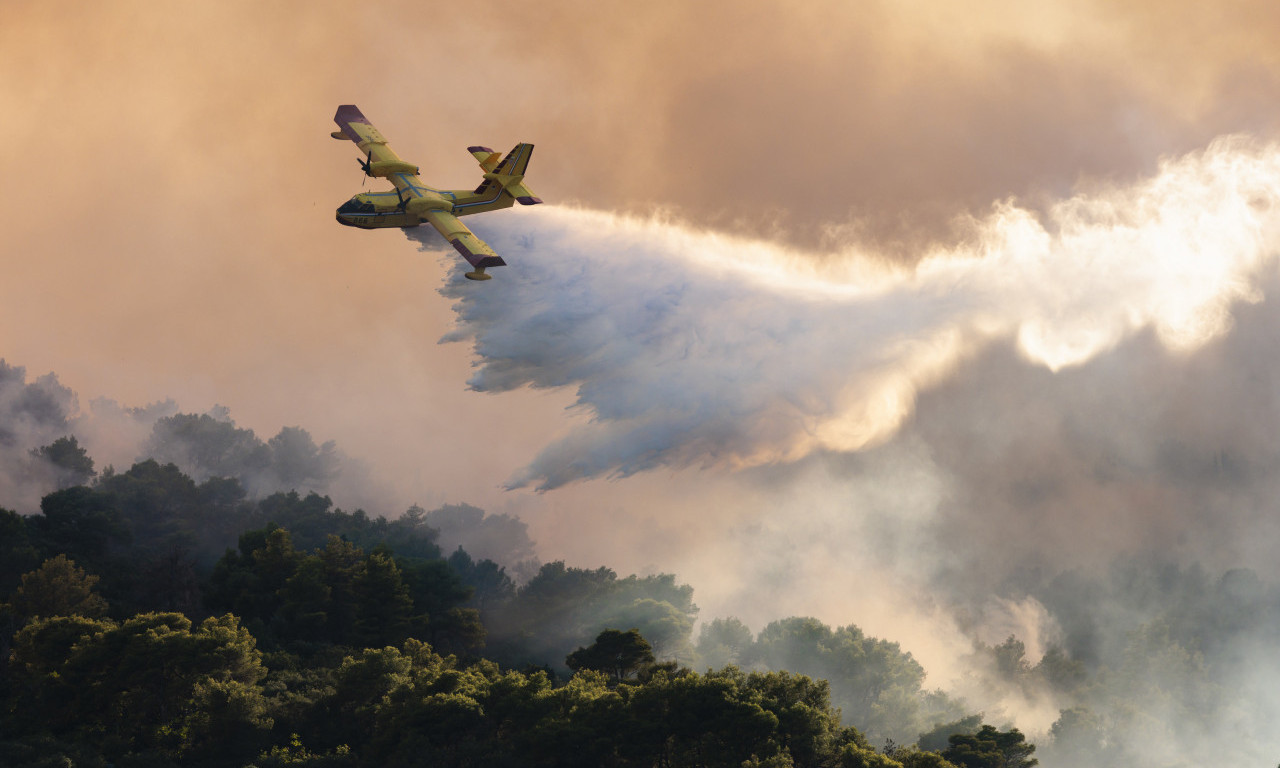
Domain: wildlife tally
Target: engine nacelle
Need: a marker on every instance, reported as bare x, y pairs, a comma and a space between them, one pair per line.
386, 168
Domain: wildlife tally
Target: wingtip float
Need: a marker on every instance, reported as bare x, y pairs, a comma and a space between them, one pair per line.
413, 203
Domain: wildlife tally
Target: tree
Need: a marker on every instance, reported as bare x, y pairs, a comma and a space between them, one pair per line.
152, 682
155, 501
854, 756
722, 642
58, 588
383, 605
490, 584
340, 559
559, 606
1081, 734
83, 523
990, 748
501, 538
616, 653
18, 552
208, 445
917, 758
1059, 670
250, 582
665, 626
306, 601
875, 683
1010, 659
297, 462
936, 739
71, 463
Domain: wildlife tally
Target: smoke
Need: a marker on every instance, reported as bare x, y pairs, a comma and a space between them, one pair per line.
690, 347
977, 446
35, 414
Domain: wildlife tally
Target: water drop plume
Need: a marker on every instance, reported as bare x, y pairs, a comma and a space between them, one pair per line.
690, 347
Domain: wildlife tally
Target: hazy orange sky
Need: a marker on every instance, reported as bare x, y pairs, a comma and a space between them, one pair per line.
167, 188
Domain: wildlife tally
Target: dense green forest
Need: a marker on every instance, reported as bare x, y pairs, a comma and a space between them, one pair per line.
194, 609
150, 619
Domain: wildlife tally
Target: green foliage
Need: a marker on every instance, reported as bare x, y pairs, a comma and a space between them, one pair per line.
491, 587
151, 682
937, 738
991, 748
294, 753
1081, 734
722, 642
18, 552
312, 519
70, 463
212, 446
853, 756
371, 641
383, 606
207, 446
663, 624
340, 594
81, 523
918, 758
297, 462
874, 682
58, 588
562, 607
620, 655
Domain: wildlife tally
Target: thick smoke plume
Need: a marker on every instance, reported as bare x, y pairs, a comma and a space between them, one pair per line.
1059, 429
689, 347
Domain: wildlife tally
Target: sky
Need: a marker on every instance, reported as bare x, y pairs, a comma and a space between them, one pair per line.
857, 310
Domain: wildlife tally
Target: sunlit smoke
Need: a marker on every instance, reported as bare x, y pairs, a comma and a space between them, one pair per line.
689, 347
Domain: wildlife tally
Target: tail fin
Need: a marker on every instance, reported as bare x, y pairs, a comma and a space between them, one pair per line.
516, 161
508, 173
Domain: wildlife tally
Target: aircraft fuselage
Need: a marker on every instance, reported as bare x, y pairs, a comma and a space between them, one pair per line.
378, 210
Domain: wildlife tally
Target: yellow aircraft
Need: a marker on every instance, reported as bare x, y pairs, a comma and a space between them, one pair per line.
413, 203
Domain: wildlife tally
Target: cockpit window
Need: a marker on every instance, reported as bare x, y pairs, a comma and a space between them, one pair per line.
356, 205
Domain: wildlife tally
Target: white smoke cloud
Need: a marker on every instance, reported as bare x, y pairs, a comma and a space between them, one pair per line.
689, 347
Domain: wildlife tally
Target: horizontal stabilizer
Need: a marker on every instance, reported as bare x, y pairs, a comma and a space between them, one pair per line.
523, 194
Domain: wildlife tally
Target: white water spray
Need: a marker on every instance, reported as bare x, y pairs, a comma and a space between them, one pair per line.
690, 347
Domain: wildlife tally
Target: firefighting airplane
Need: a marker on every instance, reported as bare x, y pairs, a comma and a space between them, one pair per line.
413, 203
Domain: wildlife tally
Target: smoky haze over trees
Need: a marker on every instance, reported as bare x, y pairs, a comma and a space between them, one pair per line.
314, 638
46, 417
1138, 663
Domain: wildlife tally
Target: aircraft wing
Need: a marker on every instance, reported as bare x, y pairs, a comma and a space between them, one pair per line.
476, 251
381, 160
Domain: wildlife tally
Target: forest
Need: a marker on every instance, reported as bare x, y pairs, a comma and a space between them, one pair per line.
210, 605
150, 619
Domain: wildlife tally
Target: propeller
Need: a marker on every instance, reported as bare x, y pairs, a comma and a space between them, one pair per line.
364, 164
